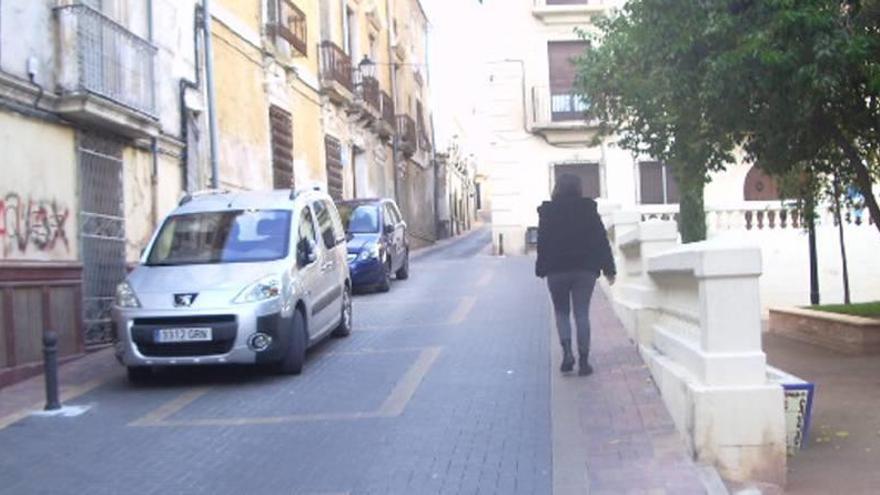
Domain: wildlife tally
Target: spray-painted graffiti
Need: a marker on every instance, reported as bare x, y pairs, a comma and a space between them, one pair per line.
27, 224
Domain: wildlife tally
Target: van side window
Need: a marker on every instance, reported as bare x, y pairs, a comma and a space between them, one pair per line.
325, 224
338, 228
390, 221
306, 226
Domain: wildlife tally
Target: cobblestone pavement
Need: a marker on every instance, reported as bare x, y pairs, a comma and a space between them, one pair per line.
445, 386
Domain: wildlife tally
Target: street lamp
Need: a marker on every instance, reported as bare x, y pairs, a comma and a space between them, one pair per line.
367, 68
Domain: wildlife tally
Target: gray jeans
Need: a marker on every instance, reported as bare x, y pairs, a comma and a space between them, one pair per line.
567, 289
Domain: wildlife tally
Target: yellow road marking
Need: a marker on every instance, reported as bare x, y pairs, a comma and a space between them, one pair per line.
393, 406
463, 310
486, 279
406, 387
158, 415
67, 394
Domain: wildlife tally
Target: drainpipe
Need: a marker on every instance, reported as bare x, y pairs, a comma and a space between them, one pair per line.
394, 99
209, 81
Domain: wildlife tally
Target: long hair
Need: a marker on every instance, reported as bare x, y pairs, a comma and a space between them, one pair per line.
568, 186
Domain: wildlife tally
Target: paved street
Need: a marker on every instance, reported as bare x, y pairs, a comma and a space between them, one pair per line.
447, 385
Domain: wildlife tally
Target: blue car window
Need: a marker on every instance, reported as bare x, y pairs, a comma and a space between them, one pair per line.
363, 219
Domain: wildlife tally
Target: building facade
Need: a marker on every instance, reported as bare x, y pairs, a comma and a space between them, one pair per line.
104, 123
538, 131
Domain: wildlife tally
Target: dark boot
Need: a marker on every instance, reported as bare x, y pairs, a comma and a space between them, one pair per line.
567, 357
584, 368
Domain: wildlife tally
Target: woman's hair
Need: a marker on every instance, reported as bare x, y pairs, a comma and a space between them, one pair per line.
568, 186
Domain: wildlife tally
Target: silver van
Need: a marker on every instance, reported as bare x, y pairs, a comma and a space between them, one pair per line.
250, 277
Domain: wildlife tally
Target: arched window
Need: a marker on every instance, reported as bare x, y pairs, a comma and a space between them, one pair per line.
759, 186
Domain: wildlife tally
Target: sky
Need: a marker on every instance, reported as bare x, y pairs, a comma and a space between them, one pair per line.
456, 65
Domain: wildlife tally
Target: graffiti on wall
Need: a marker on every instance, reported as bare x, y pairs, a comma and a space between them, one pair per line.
28, 224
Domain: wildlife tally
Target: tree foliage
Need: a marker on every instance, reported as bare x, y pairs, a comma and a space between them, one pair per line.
795, 84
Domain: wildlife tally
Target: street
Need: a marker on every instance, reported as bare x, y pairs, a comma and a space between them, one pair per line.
444, 387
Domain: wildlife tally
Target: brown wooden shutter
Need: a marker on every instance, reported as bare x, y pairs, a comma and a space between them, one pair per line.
651, 183
333, 152
588, 173
281, 128
562, 69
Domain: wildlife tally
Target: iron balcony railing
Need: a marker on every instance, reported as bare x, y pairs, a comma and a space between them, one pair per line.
336, 65
406, 131
553, 106
110, 60
289, 23
368, 90
387, 108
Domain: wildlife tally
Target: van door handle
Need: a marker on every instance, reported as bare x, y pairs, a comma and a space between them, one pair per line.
327, 266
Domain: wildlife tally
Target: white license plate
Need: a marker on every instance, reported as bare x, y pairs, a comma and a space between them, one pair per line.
166, 335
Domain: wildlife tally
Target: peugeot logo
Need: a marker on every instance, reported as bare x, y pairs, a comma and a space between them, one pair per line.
184, 300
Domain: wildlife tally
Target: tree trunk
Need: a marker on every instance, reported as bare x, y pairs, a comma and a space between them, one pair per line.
863, 177
839, 215
692, 211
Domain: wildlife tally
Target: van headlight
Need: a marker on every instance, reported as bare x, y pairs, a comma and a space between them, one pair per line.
370, 253
261, 290
125, 296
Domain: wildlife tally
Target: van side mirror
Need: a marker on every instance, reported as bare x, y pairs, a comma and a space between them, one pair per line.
388, 229
306, 252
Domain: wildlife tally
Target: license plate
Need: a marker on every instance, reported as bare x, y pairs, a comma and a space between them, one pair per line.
166, 335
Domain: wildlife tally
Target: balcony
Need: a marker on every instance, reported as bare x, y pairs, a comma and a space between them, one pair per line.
368, 96
559, 116
569, 11
289, 24
106, 73
336, 73
406, 135
386, 124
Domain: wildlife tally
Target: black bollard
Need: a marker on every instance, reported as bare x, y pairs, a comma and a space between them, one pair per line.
500, 244
50, 367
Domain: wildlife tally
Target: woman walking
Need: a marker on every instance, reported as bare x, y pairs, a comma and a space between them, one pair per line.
573, 249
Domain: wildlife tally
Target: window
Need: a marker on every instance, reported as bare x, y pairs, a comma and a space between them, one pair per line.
657, 184
759, 186
222, 237
588, 173
390, 220
565, 103
325, 224
307, 226
281, 129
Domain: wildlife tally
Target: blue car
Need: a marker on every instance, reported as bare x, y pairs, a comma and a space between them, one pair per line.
377, 242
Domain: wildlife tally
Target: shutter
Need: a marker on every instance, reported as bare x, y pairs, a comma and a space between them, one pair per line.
333, 153
588, 173
651, 183
281, 129
562, 69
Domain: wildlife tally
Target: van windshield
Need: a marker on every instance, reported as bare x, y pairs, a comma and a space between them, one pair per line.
233, 236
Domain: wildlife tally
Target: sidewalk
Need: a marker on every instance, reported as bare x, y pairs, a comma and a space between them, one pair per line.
611, 430
76, 378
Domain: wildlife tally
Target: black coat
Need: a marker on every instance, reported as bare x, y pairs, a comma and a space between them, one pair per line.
571, 237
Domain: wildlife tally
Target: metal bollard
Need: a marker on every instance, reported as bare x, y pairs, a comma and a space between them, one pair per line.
50, 367
500, 244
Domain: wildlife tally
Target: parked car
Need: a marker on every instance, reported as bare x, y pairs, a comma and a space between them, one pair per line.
236, 278
377, 242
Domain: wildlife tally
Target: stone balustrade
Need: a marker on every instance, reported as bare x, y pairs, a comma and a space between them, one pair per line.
695, 312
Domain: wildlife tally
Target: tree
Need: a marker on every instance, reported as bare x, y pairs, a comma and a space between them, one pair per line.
643, 83
795, 83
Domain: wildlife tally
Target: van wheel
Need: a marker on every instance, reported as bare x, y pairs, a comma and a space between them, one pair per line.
295, 356
345, 323
139, 375
385, 284
403, 273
